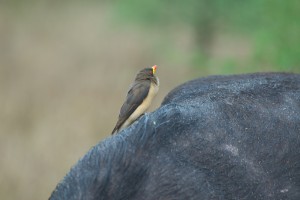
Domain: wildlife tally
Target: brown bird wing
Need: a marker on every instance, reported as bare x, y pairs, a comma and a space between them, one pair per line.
135, 96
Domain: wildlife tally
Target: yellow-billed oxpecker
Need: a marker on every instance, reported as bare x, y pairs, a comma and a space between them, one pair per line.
139, 98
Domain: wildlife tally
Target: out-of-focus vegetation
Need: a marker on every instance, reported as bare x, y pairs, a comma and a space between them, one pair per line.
270, 27
65, 67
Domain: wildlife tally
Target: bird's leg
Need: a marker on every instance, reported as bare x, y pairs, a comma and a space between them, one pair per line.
141, 115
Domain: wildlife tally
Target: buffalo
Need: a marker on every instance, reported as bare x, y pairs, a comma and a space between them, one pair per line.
219, 137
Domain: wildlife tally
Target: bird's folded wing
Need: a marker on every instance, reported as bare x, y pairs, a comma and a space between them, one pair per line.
135, 97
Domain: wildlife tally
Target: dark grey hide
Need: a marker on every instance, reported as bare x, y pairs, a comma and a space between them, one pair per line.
220, 137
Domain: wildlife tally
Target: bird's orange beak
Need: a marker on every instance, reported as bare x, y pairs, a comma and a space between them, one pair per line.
154, 69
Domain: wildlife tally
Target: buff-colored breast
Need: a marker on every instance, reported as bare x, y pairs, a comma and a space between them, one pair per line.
144, 105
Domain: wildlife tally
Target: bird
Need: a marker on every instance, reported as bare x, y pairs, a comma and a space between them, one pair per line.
139, 98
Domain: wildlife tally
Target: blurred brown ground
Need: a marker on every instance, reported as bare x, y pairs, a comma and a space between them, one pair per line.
64, 73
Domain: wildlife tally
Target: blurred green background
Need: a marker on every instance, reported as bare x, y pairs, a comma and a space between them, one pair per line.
65, 67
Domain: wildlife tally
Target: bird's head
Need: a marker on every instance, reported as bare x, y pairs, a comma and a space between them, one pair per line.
147, 73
